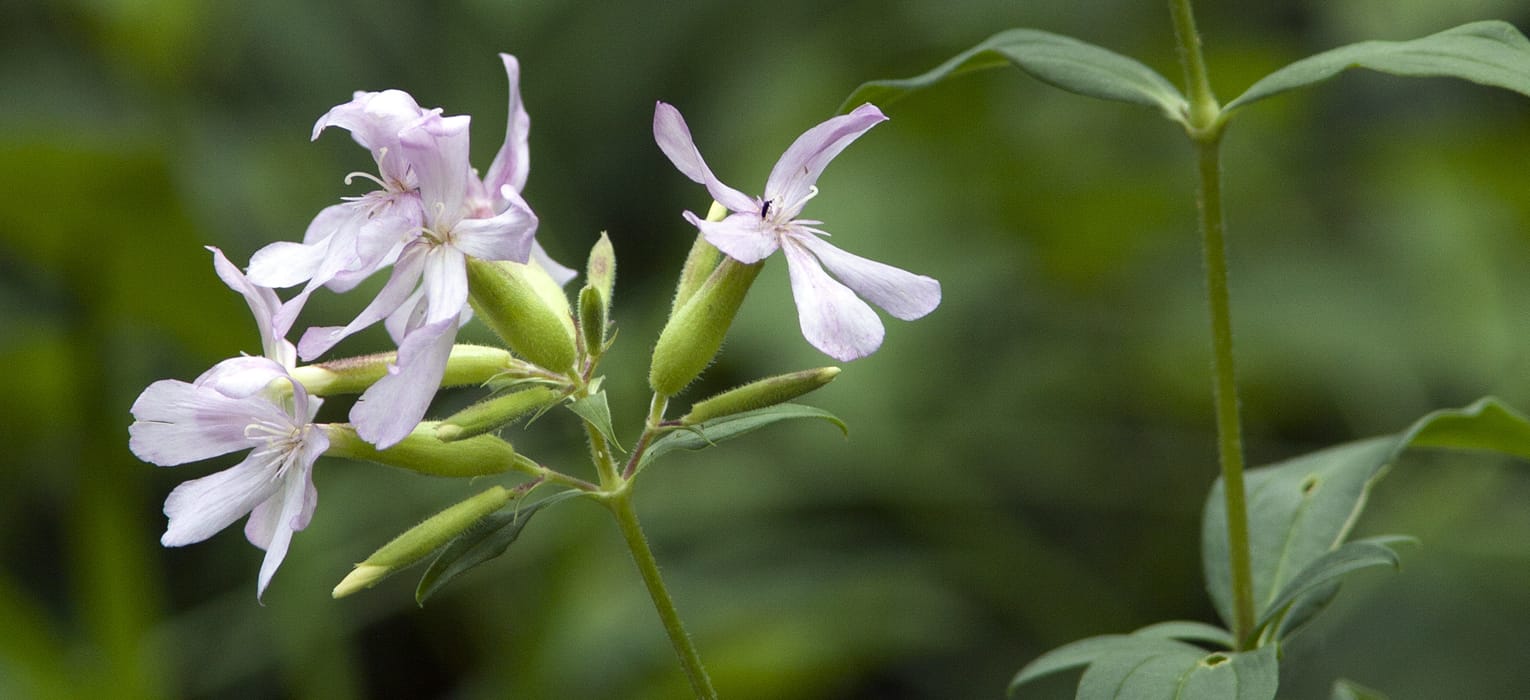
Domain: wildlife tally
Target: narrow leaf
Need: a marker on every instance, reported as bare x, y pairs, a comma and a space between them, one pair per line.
709, 433
1253, 675
1129, 677
1329, 568
597, 412
1490, 53
487, 539
1060, 61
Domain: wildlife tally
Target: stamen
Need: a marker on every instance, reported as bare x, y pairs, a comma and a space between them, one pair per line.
368, 176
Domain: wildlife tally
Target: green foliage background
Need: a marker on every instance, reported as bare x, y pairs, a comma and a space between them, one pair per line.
1026, 466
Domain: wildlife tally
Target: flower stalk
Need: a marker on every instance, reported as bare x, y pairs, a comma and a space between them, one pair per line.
1205, 126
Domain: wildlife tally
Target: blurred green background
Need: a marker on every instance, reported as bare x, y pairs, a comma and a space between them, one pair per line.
1025, 466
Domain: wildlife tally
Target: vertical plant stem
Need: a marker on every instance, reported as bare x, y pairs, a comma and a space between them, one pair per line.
1205, 125
620, 504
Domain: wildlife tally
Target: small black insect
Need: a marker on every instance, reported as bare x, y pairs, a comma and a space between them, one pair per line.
765, 209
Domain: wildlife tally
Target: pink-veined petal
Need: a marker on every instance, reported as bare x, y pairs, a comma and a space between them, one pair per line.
437, 148
388, 411
674, 139
406, 274
742, 237
513, 162
792, 179
243, 376
374, 120
901, 293
177, 422
200, 508
832, 317
506, 236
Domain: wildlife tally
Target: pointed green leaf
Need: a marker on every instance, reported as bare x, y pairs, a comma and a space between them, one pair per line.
487, 539
1345, 689
1129, 676
1303, 508
597, 412
1490, 53
1085, 652
1061, 61
1186, 630
709, 433
1329, 568
1252, 675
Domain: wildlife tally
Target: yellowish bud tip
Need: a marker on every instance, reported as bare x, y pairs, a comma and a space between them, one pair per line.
363, 576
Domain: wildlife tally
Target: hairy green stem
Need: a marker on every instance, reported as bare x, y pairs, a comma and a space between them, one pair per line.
620, 504
1205, 125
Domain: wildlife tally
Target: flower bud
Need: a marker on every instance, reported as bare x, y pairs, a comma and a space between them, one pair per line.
526, 308
467, 364
759, 394
699, 263
495, 413
422, 452
696, 330
595, 298
419, 541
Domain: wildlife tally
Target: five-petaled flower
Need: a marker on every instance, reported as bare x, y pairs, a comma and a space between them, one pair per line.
831, 315
241, 403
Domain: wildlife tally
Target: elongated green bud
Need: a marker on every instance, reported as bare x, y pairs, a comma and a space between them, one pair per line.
759, 394
526, 308
699, 263
422, 452
495, 413
695, 332
419, 541
468, 364
595, 298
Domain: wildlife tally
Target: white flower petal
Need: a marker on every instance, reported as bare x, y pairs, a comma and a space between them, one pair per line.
561, 274
445, 283
901, 293
200, 508
742, 237
297, 501
833, 319
674, 139
406, 274
791, 181
437, 149
513, 162
390, 408
177, 422
506, 236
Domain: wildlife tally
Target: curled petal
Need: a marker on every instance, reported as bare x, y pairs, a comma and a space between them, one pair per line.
506, 236
742, 237
264, 305
374, 120
513, 162
833, 319
901, 293
792, 180
388, 411
200, 508
674, 138
298, 499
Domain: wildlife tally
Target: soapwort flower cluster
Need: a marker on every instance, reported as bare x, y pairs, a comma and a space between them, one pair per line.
455, 244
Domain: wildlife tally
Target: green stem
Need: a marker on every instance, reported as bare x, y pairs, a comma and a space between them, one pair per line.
1205, 128
620, 504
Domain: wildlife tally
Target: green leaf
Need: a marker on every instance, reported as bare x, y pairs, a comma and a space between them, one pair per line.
1329, 568
1060, 61
487, 539
597, 412
1143, 664
1186, 630
1303, 508
1345, 689
709, 433
1490, 53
